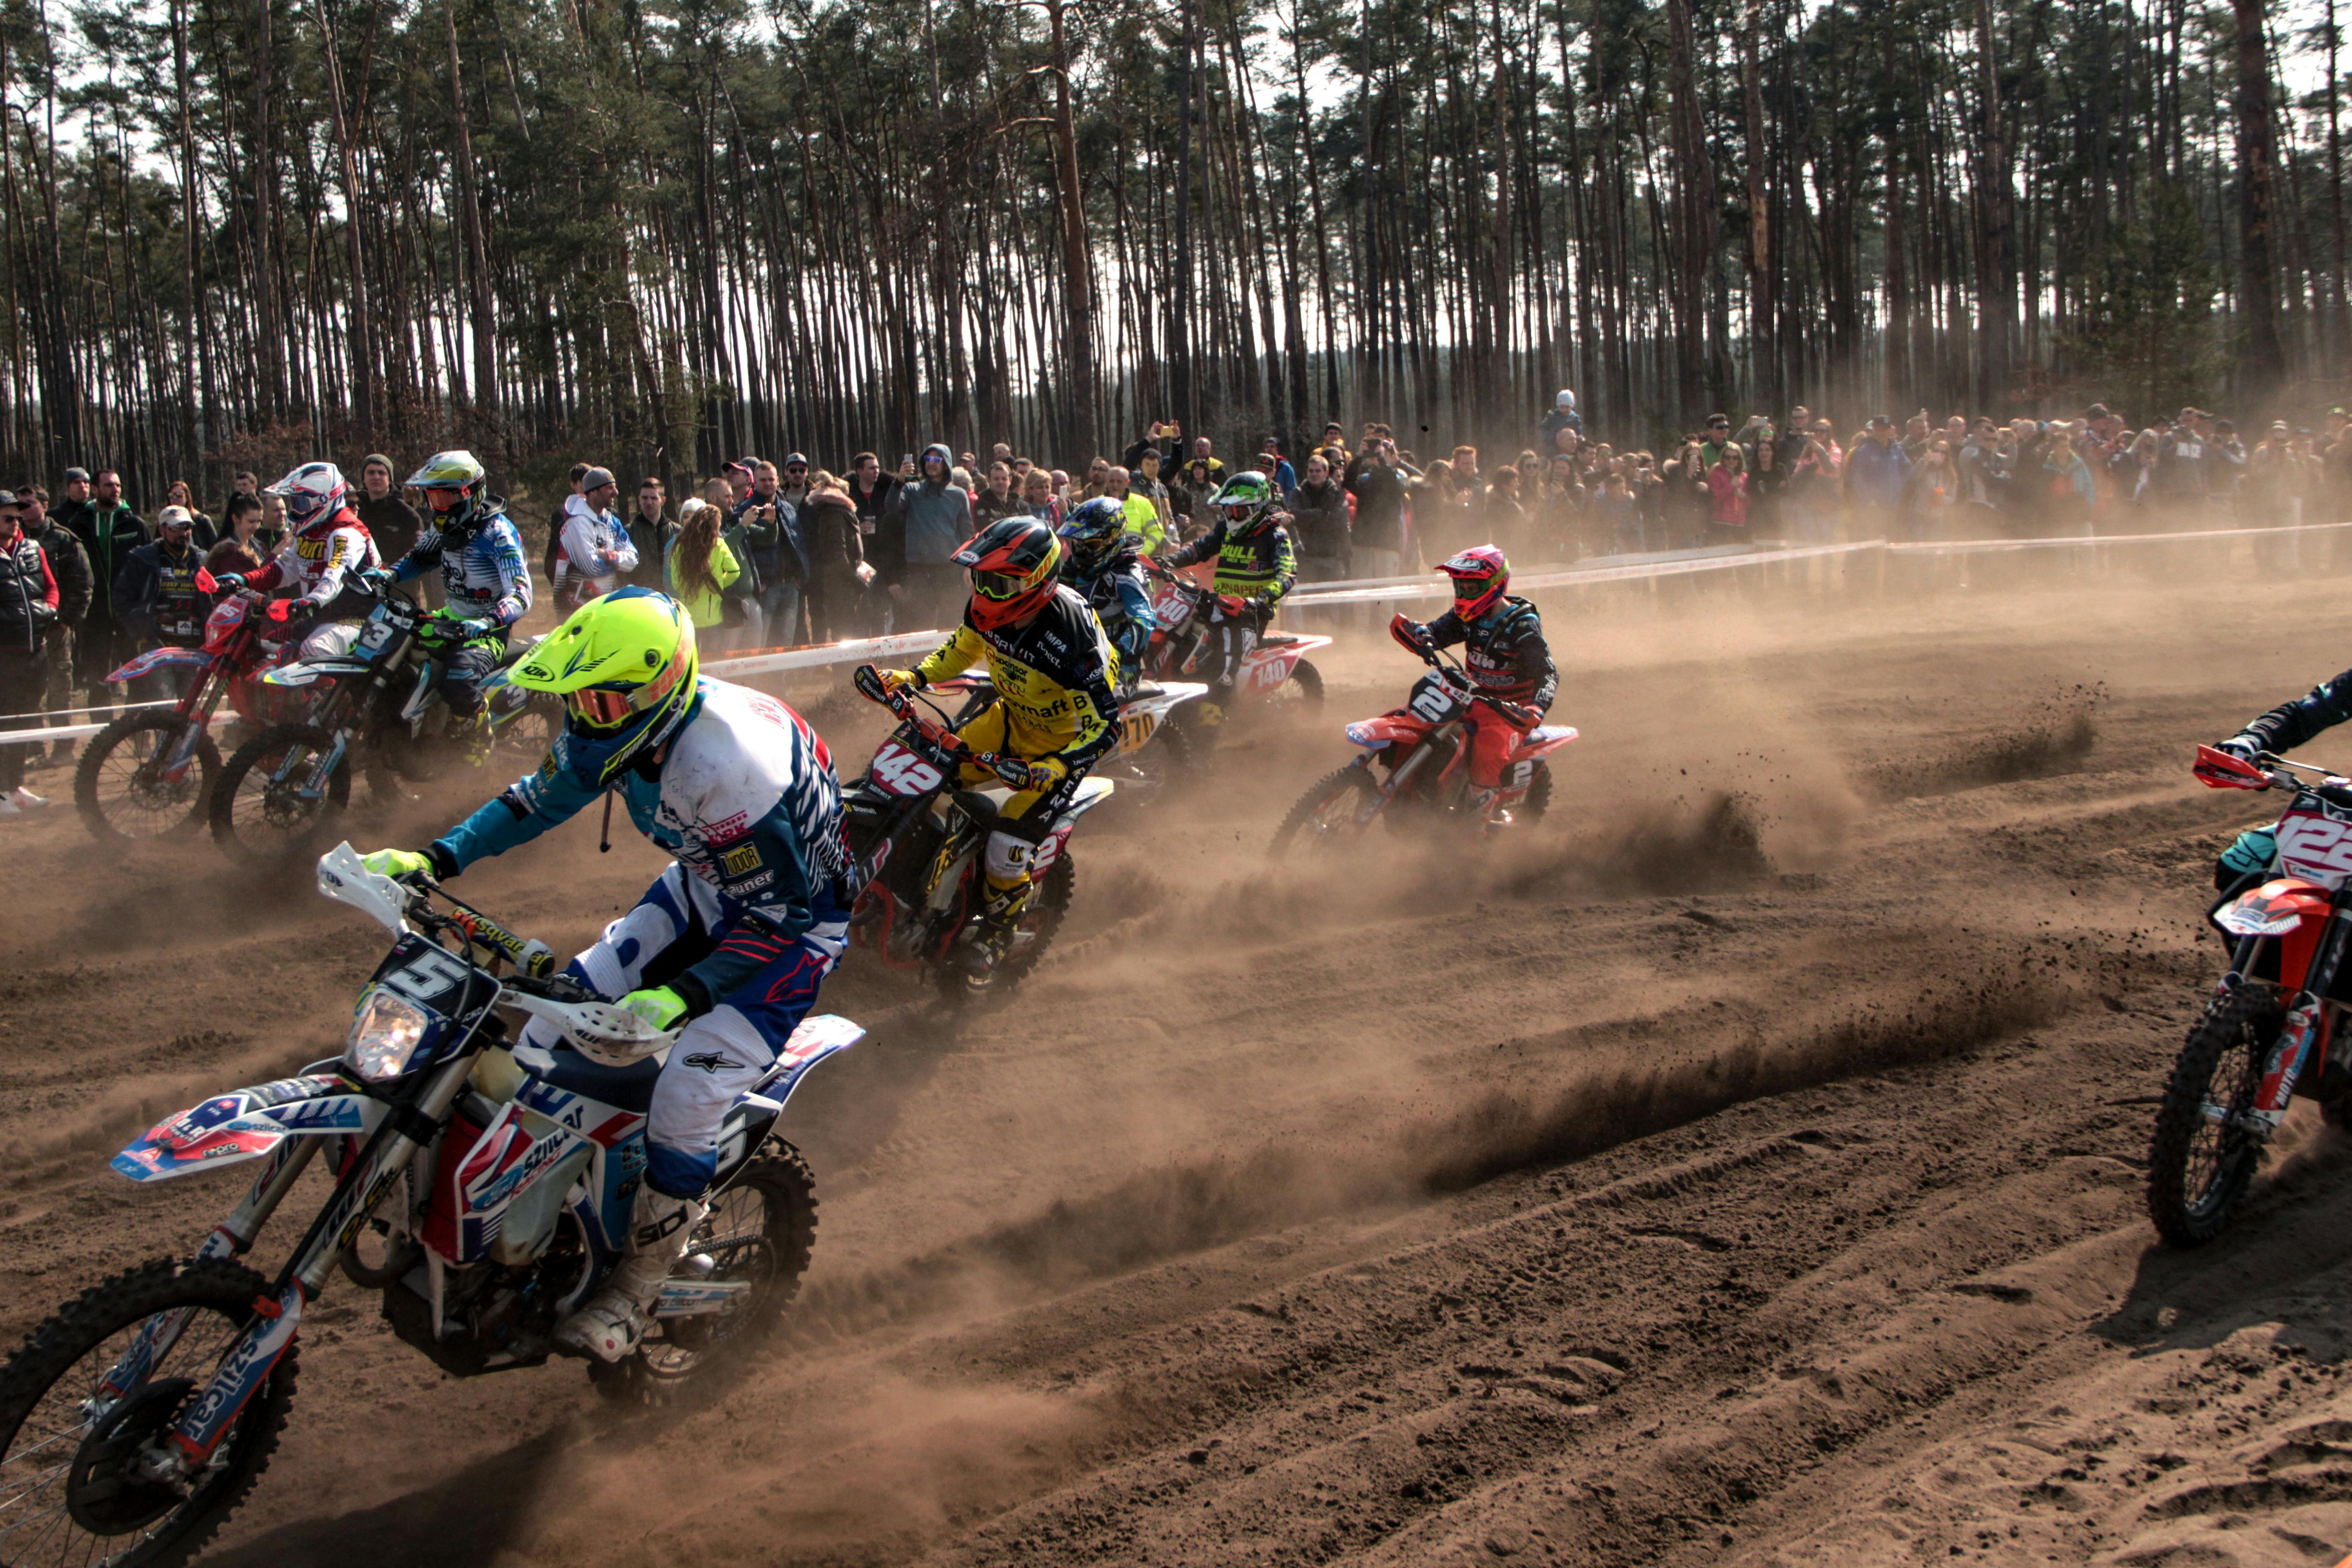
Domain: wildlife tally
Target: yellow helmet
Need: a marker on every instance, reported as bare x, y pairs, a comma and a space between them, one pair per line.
624, 664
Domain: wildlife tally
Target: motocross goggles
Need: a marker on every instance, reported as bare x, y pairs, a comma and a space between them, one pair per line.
1001, 585
605, 708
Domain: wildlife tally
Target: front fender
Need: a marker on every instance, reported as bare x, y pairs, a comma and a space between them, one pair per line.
156, 658
1388, 730
246, 1124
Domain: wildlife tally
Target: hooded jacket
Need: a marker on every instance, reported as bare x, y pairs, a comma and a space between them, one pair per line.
927, 522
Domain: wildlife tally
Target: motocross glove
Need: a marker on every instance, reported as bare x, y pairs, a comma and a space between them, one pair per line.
1041, 775
396, 862
2245, 746
896, 679
661, 1008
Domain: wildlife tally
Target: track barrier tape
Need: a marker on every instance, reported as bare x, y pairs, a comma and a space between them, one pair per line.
1364, 591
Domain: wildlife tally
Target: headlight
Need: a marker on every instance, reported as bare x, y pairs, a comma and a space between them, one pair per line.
383, 1035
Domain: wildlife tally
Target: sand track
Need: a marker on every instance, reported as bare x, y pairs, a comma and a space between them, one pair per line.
1743, 1168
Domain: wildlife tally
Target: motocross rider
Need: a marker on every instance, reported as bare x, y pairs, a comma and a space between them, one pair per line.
1254, 565
1054, 669
732, 937
2288, 725
1507, 659
479, 552
328, 552
1103, 565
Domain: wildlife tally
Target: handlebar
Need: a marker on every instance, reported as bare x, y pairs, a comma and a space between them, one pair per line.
951, 745
1402, 627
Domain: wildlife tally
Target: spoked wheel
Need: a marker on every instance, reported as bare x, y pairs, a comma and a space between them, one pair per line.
268, 805
2201, 1158
1327, 813
760, 1229
72, 1491
125, 788
526, 736
1031, 936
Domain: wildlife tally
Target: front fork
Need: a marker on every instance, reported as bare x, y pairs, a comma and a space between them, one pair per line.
248, 1362
2291, 1055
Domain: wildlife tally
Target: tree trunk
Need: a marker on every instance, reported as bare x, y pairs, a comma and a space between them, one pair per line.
1995, 304
478, 255
2257, 154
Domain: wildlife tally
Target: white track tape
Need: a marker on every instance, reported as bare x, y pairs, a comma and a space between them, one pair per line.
2081, 541
1682, 564
768, 660
1364, 591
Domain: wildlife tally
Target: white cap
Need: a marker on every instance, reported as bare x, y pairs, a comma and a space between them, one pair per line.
1566, 399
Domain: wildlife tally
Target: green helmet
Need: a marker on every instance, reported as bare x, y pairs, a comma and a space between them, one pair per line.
1247, 503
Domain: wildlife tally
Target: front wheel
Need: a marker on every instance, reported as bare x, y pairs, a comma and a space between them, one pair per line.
2201, 1158
125, 788
761, 1230
267, 806
71, 1487
1331, 811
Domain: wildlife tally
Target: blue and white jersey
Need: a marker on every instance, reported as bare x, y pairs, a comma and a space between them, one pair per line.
486, 577
746, 801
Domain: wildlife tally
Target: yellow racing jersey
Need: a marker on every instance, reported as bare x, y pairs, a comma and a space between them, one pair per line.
1054, 674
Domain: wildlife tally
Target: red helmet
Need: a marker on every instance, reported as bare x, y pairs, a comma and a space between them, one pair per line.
1013, 563
1480, 575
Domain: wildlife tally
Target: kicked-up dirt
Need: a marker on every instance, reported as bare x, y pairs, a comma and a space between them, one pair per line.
1742, 1166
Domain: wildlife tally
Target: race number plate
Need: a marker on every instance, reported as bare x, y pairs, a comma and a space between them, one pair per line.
2316, 845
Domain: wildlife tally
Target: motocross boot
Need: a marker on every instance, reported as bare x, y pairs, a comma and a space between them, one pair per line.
998, 919
610, 1323
1485, 807
473, 737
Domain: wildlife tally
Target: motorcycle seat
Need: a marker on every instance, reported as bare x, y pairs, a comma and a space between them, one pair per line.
976, 806
1276, 639
627, 1089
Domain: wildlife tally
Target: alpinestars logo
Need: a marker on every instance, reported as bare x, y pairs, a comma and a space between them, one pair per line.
710, 1062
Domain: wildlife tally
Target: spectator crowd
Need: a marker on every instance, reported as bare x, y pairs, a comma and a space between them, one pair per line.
770, 553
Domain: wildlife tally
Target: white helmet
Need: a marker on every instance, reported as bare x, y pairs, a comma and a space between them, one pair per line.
314, 492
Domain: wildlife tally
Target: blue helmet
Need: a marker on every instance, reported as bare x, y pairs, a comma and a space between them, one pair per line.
1093, 529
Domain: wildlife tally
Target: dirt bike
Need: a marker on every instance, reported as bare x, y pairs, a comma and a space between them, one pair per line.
1155, 752
483, 1187
1425, 747
2273, 1027
1276, 669
150, 771
379, 707
919, 839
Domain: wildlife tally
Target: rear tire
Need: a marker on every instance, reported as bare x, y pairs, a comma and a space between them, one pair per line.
1311, 823
761, 1226
2199, 1165
1309, 681
106, 1507
118, 803
1164, 765
257, 824
1042, 918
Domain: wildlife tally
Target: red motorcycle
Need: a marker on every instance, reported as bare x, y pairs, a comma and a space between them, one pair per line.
2273, 1029
1276, 669
1423, 748
150, 771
